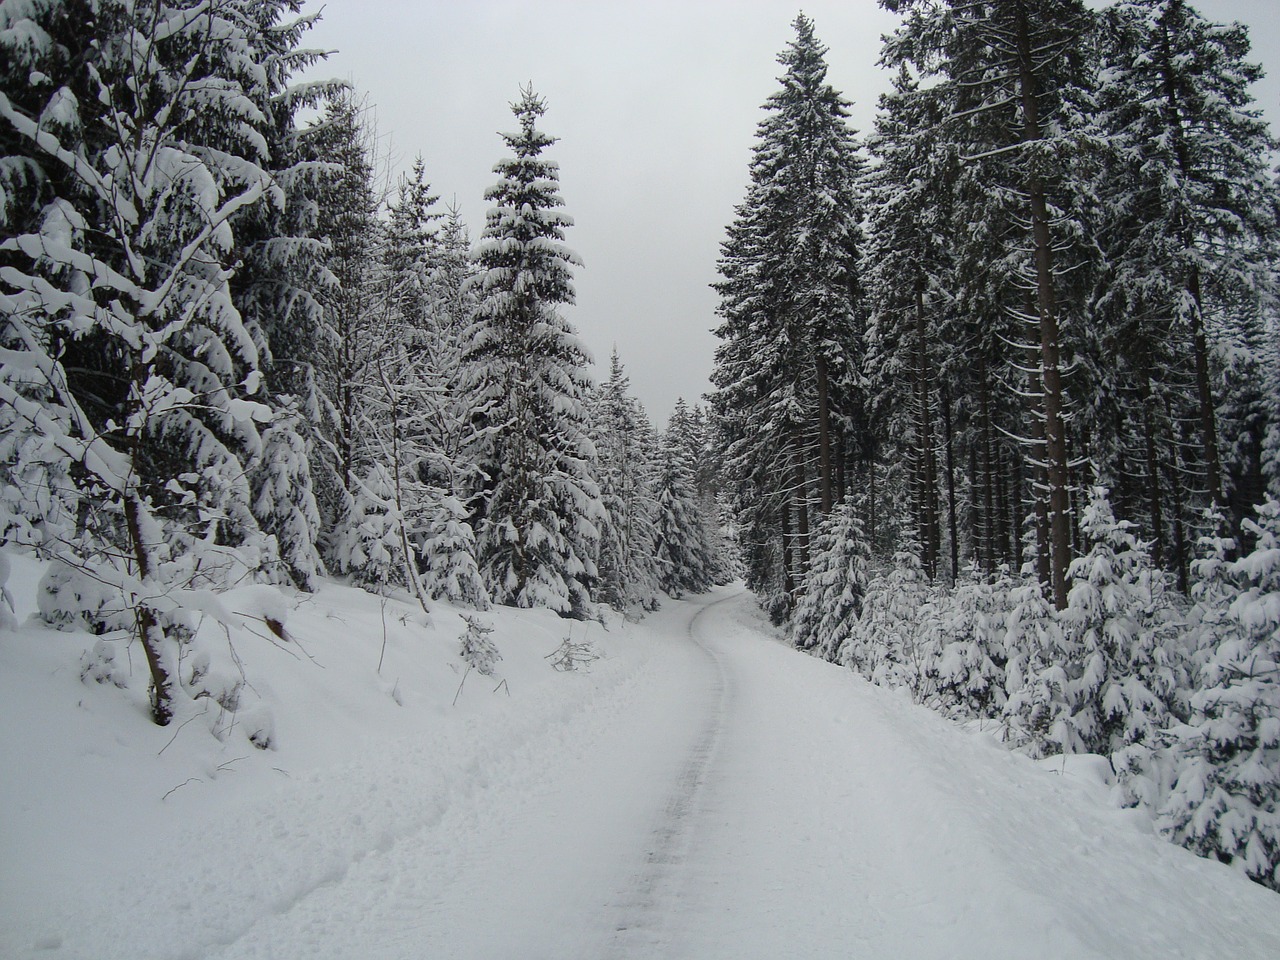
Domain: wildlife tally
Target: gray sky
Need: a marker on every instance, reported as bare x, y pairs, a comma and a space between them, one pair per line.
656, 104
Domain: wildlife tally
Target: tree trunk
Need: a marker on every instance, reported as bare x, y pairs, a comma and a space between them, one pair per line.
929, 534
1175, 488
824, 436
1154, 505
988, 477
1019, 517
800, 497
1199, 340
871, 501
1003, 553
1055, 447
1204, 395
951, 488
841, 459
788, 580
150, 632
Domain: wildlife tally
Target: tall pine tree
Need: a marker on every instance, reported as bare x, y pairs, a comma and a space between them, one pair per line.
541, 503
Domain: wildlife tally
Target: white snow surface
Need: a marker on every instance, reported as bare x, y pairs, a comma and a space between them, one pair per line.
700, 791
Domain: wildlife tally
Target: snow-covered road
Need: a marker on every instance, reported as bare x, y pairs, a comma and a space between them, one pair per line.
705, 792
735, 800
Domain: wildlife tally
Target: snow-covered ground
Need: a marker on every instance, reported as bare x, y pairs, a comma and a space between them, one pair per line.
701, 791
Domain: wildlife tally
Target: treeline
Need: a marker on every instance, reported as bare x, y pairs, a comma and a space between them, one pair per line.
229, 353
998, 389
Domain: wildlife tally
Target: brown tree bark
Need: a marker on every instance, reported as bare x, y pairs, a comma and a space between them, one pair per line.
929, 533
1058, 548
951, 487
824, 435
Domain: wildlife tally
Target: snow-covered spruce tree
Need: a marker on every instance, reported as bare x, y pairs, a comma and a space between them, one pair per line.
409, 246
448, 556
627, 552
786, 384
682, 542
394, 504
1200, 216
908, 279
443, 410
1121, 636
365, 383
964, 630
476, 646
350, 335
279, 274
1225, 802
886, 644
1035, 716
831, 602
283, 500
1017, 80
686, 435
130, 148
541, 505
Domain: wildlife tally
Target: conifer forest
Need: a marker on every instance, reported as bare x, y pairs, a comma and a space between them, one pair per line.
995, 407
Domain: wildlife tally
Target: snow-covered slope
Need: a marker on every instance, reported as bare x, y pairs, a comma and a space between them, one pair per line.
701, 791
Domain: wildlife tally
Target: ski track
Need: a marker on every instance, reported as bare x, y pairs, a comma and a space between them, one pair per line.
655, 895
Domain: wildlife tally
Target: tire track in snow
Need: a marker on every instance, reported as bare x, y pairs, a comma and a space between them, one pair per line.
644, 909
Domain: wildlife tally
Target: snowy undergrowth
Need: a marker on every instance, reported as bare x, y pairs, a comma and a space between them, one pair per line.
93, 790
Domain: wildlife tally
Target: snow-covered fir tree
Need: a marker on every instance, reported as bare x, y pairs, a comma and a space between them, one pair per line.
682, 543
965, 633
1035, 715
130, 155
1225, 802
1121, 638
444, 409
785, 379
1198, 220
831, 603
354, 332
886, 645
276, 285
626, 561
540, 507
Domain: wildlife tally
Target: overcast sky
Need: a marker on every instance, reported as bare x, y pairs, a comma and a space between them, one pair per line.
656, 104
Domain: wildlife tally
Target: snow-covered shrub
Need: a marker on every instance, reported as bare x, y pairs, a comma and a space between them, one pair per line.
886, 645
965, 634
74, 598
831, 601
1035, 714
477, 648
284, 503
99, 664
572, 654
1122, 638
367, 546
1225, 801
448, 550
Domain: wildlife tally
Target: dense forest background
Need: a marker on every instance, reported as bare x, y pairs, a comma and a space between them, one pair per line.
996, 415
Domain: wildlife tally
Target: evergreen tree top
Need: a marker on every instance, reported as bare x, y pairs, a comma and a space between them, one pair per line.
530, 141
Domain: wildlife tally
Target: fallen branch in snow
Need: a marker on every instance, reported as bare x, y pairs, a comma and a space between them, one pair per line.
175, 737
180, 786
460, 685
384, 637
571, 655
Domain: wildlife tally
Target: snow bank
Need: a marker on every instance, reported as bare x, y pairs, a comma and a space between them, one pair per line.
123, 839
